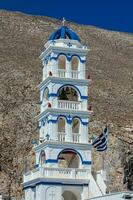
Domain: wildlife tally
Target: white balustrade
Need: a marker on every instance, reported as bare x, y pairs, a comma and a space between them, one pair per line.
61, 136
74, 74
76, 137
62, 73
73, 105
70, 74
63, 173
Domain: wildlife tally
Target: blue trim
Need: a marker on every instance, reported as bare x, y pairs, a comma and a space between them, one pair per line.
43, 122
52, 120
55, 183
53, 95
68, 120
56, 94
86, 162
36, 166
85, 123
68, 57
76, 55
62, 116
64, 54
51, 161
85, 97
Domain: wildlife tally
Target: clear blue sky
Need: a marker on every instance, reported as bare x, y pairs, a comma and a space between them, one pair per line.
108, 14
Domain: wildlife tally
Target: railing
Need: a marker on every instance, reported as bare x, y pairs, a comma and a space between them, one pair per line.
62, 73
73, 105
70, 74
75, 137
58, 173
74, 74
61, 136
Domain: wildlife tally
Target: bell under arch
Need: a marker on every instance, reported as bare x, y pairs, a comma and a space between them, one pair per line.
68, 93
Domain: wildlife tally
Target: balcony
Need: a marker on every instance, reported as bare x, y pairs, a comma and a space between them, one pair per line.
75, 137
64, 74
72, 105
58, 173
62, 137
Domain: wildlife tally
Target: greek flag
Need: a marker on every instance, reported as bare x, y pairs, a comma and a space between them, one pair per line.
101, 142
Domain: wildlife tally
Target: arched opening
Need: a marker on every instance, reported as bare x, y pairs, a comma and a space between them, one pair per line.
69, 195
61, 128
68, 93
68, 159
74, 63
75, 125
62, 62
45, 95
75, 129
42, 157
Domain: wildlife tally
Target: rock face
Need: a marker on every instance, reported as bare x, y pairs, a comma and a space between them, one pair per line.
110, 66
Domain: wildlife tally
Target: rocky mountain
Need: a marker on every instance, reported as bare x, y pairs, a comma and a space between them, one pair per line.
110, 64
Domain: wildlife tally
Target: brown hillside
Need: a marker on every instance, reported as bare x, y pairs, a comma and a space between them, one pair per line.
110, 63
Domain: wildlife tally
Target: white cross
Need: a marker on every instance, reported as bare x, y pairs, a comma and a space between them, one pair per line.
63, 21
52, 195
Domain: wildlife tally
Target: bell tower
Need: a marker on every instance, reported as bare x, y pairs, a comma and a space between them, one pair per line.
63, 154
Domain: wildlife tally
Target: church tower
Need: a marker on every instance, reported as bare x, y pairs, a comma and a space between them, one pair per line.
63, 154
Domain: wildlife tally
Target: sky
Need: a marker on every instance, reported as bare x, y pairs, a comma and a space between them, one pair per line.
108, 14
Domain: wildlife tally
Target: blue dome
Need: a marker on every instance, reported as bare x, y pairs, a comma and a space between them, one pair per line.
64, 33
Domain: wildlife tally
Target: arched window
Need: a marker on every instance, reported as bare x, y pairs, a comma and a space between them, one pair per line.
61, 125
75, 125
75, 130
74, 63
61, 129
46, 95
68, 93
42, 158
62, 62
68, 159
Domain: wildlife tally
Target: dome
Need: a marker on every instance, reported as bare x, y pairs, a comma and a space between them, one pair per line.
64, 33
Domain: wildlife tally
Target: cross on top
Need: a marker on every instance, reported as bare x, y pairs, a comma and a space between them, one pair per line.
63, 21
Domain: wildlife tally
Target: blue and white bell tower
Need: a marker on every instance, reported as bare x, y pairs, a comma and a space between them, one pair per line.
63, 155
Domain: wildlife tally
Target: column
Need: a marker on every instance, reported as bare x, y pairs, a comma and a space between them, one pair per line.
68, 69
69, 132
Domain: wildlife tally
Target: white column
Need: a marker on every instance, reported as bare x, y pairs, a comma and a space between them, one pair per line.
54, 131
84, 133
68, 69
84, 105
68, 132
85, 193
82, 70
54, 67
